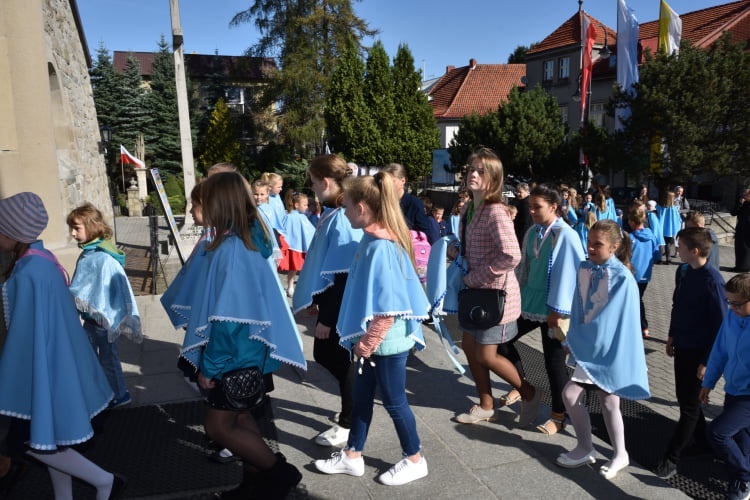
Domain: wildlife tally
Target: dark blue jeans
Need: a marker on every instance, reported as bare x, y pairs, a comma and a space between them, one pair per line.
729, 435
389, 374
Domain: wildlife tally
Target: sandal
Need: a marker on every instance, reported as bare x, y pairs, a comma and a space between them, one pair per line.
512, 397
553, 425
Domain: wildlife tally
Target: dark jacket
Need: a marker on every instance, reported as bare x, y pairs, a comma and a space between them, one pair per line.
698, 308
416, 219
523, 221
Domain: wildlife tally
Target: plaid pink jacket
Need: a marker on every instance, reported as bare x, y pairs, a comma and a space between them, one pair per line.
492, 254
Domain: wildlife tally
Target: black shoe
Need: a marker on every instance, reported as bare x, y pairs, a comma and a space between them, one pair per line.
278, 481
244, 490
117, 486
666, 469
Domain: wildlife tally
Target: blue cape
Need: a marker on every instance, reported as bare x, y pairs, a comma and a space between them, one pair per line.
444, 282
235, 284
566, 256
605, 329
670, 220
49, 373
102, 292
331, 252
177, 298
654, 223
279, 212
382, 282
298, 231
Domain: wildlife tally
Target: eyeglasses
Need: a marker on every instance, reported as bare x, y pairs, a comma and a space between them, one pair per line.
736, 304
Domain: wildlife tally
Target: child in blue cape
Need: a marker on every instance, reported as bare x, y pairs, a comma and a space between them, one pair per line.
239, 323
671, 222
103, 294
605, 341
645, 253
299, 233
380, 321
50, 380
321, 284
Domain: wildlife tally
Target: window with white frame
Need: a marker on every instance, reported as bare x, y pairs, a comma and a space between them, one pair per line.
596, 114
548, 70
564, 115
564, 68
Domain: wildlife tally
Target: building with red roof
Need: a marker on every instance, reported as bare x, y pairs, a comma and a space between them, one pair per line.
476, 88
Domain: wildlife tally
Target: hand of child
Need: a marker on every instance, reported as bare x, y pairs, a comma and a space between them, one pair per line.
670, 348
322, 331
206, 383
701, 372
553, 320
312, 310
703, 395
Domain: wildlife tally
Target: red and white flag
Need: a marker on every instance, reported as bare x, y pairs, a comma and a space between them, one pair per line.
127, 158
588, 34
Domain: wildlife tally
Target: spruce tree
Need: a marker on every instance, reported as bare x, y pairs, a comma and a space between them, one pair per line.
415, 134
162, 134
350, 124
106, 84
378, 94
306, 37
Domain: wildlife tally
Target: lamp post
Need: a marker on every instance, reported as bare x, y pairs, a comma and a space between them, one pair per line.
604, 53
106, 138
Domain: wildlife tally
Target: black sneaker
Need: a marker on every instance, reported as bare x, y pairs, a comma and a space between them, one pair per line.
739, 490
666, 469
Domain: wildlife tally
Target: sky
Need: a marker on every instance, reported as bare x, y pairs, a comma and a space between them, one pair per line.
439, 33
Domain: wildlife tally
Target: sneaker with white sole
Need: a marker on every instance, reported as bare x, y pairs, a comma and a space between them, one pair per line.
340, 463
476, 414
404, 472
335, 436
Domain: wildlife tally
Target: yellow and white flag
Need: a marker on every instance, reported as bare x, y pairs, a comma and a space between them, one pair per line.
670, 29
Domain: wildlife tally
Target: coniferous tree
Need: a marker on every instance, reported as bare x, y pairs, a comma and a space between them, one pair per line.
378, 93
415, 133
221, 143
106, 84
306, 37
350, 124
162, 134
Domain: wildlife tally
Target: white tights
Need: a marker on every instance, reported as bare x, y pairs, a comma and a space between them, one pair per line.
610, 403
67, 463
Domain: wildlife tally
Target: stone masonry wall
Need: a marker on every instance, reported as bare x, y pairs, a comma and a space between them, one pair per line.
82, 172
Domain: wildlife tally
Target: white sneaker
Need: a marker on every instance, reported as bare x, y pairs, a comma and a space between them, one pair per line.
340, 463
335, 436
404, 472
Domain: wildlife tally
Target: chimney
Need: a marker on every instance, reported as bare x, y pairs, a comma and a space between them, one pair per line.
450, 68
472, 63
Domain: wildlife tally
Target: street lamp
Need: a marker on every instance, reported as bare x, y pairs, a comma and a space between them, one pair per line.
106, 138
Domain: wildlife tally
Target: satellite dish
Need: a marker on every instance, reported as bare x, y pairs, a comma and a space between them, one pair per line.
524, 80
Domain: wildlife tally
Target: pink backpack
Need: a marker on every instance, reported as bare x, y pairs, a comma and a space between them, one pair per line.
421, 253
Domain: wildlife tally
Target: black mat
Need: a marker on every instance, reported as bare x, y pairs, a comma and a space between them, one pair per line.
646, 436
161, 449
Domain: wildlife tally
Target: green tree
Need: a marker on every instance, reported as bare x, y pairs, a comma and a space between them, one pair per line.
306, 37
221, 143
350, 124
518, 56
162, 135
415, 132
106, 84
693, 103
525, 131
378, 93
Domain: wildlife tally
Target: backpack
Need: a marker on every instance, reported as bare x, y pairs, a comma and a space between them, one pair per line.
421, 253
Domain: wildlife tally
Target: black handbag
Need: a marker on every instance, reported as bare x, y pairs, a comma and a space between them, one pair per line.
480, 308
243, 388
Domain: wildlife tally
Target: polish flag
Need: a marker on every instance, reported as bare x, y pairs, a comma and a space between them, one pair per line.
127, 158
588, 34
